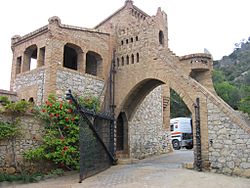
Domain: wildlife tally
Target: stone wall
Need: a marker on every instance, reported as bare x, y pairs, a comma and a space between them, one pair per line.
80, 84
11, 150
30, 84
11, 95
146, 134
229, 149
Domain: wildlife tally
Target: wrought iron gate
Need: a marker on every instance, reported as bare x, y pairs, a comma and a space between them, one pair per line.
96, 138
198, 157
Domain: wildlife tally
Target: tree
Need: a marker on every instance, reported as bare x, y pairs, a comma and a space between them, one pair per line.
177, 107
229, 93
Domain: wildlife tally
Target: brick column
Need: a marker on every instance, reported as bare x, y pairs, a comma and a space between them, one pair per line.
81, 62
26, 62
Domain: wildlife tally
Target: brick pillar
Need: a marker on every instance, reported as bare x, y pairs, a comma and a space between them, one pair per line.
54, 59
40, 57
26, 62
81, 62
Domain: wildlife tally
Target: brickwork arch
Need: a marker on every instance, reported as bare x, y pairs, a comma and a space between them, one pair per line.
135, 82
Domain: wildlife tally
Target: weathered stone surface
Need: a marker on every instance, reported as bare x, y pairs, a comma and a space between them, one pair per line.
12, 150
229, 152
147, 136
10, 170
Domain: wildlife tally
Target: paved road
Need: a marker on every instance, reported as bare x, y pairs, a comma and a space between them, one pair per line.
164, 171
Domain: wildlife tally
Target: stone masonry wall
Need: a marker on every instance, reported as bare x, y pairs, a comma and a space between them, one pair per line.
11, 150
146, 133
80, 84
229, 149
30, 84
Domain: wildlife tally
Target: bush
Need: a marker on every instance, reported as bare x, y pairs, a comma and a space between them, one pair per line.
61, 138
8, 130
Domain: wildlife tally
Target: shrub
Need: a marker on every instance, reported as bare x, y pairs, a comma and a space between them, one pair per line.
61, 138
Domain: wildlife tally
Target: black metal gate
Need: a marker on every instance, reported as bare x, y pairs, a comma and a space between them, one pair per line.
198, 157
96, 138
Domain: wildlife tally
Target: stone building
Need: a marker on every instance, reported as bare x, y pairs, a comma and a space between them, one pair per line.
58, 57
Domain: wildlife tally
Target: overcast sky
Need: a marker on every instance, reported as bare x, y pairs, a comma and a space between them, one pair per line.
193, 24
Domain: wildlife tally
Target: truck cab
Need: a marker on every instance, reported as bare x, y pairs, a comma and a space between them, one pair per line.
181, 132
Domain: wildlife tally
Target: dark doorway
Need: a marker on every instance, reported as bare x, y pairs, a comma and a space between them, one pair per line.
120, 134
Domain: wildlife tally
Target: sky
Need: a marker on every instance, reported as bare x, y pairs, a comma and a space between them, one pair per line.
192, 24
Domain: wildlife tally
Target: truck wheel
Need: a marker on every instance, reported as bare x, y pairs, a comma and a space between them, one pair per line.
176, 144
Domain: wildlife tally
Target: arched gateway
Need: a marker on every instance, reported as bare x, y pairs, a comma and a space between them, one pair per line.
145, 69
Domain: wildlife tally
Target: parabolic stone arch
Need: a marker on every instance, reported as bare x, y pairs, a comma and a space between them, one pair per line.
132, 88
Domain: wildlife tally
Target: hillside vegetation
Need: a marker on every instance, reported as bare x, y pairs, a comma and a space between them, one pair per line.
231, 77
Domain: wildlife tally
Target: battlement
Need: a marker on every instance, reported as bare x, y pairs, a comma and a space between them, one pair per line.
55, 20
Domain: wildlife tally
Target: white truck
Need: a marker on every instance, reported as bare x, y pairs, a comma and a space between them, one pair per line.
181, 132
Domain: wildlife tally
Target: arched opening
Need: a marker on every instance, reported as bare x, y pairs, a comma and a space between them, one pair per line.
137, 58
161, 38
122, 61
31, 100
72, 56
132, 59
139, 136
122, 133
177, 106
93, 63
181, 128
127, 59
137, 95
30, 58
118, 62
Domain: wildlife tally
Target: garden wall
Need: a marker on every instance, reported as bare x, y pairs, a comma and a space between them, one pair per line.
11, 149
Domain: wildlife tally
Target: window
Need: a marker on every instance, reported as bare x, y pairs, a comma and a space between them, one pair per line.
18, 65
137, 58
127, 59
30, 58
70, 58
126, 41
33, 60
132, 59
131, 40
172, 127
136, 38
93, 64
118, 63
161, 38
122, 42
122, 61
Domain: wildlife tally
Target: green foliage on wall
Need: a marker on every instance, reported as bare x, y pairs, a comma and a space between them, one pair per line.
9, 129
61, 139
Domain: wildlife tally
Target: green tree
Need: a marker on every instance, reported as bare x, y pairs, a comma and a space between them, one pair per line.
229, 93
177, 107
218, 76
